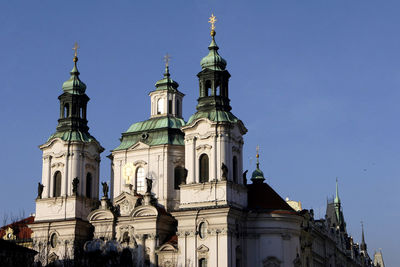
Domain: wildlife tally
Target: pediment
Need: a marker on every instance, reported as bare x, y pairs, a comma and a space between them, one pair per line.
138, 146
203, 249
167, 248
100, 214
144, 211
126, 203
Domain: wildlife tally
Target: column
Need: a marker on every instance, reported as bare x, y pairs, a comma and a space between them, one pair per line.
214, 158
46, 176
64, 177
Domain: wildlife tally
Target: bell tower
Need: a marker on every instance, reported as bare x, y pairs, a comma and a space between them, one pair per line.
214, 196
70, 178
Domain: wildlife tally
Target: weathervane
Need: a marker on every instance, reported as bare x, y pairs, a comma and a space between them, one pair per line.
212, 21
75, 48
166, 59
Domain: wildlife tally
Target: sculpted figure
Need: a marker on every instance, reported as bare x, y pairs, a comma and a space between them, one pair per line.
40, 190
105, 189
244, 177
224, 169
149, 183
75, 183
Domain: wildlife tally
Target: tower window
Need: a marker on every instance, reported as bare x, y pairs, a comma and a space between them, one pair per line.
202, 262
207, 88
140, 180
81, 112
203, 168
179, 176
66, 111
89, 185
235, 170
177, 108
170, 106
160, 106
57, 184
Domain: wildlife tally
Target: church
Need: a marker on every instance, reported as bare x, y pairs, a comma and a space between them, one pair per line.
178, 194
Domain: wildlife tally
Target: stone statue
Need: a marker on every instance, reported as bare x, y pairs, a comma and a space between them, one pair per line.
105, 189
185, 174
40, 190
244, 177
149, 183
75, 183
224, 169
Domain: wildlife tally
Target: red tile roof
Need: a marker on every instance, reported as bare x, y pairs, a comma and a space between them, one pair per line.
20, 228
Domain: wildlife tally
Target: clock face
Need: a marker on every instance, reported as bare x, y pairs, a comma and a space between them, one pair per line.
128, 171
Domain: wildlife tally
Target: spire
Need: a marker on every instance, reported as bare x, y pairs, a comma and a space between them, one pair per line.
363, 245
213, 60
74, 85
337, 199
258, 175
167, 83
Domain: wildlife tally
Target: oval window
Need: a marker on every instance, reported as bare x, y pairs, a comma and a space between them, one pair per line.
53, 240
202, 230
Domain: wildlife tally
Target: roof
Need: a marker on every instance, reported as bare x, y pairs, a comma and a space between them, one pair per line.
262, 197
214, 115
155, 131
12, 247
20, 228
73, 136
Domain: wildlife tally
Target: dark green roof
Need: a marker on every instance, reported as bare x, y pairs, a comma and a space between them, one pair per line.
214, 115
156, 123
155, 131
74, 85
72, 136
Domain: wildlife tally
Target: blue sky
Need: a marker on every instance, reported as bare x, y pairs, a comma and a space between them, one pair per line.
315, 82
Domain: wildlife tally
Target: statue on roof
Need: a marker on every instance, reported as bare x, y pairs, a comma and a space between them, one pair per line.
40, 190
149, 183
224, 170
105, 189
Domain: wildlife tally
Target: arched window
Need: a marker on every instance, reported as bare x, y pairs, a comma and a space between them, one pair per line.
89, 185
203, 168
179, 175
81, 112
202, 262
177, 107
57, 184
207, 88
235, 170
66, 110
140, 180
170, 106
160, 106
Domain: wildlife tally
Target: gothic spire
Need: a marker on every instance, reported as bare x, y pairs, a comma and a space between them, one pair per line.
337, 199
363, 245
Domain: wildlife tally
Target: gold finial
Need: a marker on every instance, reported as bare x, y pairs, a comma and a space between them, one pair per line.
212, 21
258, 150
76, 52
166, 59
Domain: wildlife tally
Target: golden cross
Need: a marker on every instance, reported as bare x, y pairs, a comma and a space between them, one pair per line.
166, 59
76, 49
258, 150
212, 21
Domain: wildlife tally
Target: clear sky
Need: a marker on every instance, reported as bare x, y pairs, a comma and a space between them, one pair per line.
315, 82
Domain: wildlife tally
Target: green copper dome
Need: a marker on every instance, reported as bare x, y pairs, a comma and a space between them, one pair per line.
213, 60
258, 175
74, 85
167, 83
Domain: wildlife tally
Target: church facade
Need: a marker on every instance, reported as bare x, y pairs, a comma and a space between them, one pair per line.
178, 194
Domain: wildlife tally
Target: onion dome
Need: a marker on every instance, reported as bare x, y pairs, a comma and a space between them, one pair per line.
257, 175
213, 60
74, 85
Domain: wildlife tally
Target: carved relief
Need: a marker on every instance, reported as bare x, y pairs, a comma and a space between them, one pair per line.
89, 166
201, 148
57, 165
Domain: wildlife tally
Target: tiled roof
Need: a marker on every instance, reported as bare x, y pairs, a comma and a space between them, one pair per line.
262, 197
20, 228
